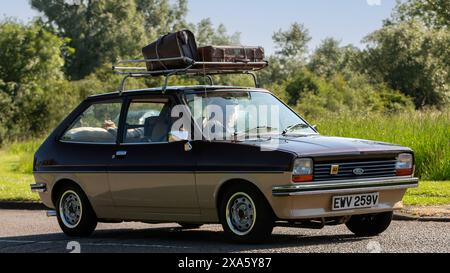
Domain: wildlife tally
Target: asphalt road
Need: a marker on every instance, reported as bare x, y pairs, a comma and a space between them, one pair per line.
32, 231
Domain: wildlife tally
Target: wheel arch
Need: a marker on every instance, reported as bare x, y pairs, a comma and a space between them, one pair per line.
60, 184
238, 181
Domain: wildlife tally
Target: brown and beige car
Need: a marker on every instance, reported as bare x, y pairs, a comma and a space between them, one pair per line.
119, 157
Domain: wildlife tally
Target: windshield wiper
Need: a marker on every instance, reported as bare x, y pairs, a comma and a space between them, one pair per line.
294, 127
258, 131
260, 128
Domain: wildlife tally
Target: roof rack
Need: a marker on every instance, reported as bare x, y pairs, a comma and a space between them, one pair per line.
192, 68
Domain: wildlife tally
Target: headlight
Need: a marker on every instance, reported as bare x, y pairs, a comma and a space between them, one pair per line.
404, 165
303, 170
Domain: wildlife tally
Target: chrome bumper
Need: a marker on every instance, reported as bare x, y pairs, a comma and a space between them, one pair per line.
346, 186
38, 187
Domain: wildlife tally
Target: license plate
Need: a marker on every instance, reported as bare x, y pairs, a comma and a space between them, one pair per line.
357, 201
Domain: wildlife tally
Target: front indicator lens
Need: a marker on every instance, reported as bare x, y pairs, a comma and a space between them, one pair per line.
405, 172
303, 170
302, 178
404, 165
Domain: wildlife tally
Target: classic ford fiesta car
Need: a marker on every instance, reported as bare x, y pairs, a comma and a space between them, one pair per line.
121, 157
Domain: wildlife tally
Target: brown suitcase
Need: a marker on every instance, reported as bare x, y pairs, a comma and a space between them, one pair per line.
172, 45
233, 54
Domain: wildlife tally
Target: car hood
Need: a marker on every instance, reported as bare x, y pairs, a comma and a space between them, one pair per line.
317, 145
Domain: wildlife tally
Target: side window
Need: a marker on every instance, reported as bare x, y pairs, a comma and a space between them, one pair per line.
148, 121
98, 124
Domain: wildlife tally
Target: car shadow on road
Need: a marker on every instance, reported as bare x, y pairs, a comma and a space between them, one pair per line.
173, 239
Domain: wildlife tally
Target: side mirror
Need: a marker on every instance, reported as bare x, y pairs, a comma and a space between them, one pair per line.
315, 128
178, 136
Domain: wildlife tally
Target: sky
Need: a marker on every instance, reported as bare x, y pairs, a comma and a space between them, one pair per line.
346, 20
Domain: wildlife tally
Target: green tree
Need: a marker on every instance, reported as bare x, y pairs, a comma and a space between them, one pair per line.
434, 13
292, 43
206, 34
413, 59
330, 58
5, 108
29, 53
302, 82
353, 95
277, 72
33, 92
161, 17
103, 31
291, 54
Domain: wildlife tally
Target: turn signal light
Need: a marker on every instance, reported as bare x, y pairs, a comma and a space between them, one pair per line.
302, 178
404, 172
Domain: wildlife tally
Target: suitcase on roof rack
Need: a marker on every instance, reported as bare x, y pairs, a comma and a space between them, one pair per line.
173, 45
232, 54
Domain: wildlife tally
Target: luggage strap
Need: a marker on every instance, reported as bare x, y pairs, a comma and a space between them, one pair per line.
157, 53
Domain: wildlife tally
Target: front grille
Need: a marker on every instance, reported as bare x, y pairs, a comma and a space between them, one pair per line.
371, 169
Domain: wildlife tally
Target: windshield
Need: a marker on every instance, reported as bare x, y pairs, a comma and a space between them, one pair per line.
238, 113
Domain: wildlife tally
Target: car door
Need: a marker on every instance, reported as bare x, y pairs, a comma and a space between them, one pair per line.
148, 174
83, 152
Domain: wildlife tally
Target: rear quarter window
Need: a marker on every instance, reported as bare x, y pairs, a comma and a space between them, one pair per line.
97, 124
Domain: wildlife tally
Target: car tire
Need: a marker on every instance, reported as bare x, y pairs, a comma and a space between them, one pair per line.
189, 226
368, 225
74, 212
245, 215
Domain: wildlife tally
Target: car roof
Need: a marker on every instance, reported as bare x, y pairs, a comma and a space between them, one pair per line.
177, 90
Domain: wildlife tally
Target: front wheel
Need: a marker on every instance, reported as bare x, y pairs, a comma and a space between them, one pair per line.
75, 214
245, 215
369, 224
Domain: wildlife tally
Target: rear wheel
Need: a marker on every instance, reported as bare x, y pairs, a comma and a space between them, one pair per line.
74, 212
369, 224
245, 215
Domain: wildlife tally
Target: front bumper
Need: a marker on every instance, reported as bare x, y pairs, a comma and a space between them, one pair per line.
346, 186
314, 200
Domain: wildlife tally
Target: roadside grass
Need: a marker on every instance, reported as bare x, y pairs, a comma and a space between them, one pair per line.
429, 193
14, 185
426, 132
16, 171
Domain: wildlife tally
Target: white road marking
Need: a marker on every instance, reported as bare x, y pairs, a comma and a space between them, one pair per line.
16, 241
92, 244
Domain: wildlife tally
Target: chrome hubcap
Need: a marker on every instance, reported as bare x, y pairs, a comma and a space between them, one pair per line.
70, 209
241, 213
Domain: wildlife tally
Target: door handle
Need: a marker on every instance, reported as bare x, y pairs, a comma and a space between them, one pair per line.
120, 154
